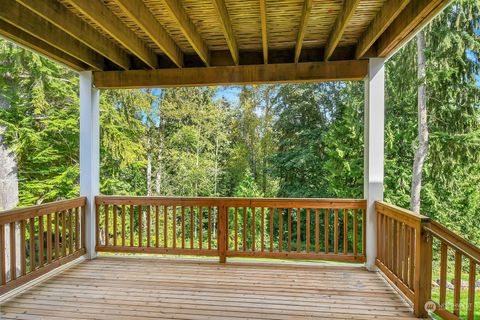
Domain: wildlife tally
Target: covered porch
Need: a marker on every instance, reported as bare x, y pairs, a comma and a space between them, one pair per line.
58, 260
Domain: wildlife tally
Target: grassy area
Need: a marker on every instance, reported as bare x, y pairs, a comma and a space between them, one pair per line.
463, 301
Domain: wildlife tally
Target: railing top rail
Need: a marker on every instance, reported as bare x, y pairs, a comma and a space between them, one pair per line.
17, 214
241, 202
399, 213
454, 240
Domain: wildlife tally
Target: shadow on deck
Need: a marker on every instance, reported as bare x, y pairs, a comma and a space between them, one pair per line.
140, 288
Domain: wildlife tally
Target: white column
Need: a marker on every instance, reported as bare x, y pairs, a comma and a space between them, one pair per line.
89, 154
374, 150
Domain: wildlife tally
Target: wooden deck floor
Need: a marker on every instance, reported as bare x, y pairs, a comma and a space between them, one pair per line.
140, 288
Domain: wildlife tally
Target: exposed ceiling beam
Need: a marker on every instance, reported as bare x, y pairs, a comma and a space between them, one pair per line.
30, 42
340, 25
111, 24
251, 74
188, 29
263, 18
28, 21
227, 28
58, 15
141, 15
415, 15
307, 7
390, 10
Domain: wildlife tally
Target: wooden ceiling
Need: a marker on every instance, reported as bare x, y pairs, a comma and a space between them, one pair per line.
258, 40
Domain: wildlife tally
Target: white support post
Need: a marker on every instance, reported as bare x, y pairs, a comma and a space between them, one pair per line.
89, 154
374, 151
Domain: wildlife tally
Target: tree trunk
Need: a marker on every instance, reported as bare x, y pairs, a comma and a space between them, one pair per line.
422, 148
149, 164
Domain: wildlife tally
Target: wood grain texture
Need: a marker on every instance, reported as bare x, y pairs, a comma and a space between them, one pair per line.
125, 288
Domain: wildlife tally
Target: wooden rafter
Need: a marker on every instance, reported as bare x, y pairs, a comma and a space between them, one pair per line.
263, 18
111, 24
61, 17
243, 74
390, 10
28, 21
415, 15
227, 28
340, 25
141, 15
27, 40
188, 29
307, 7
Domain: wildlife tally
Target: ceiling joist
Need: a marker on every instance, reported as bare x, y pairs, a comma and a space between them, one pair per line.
143, 18
251, 74
111, 24
263, 19
227, 29
307, 7
28, 21
415, 15
390, 10
30, 42
188, 29
57, 14
340, 25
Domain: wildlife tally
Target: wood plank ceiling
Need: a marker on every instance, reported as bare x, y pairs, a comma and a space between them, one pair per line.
125, 35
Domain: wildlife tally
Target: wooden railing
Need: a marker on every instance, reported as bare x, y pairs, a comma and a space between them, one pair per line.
40, 239
404, 255
233, 227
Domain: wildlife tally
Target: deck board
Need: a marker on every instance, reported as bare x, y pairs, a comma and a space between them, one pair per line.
142, 288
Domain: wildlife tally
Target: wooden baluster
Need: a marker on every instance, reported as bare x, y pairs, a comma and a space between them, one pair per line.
32, 244
77, 229
389, 243
395, 247
471, 290
149, 227
132, 226
412, 258
236, 228
140, 225
405, 254
209, 227
157, 226
299, 229
443, 272
355, 233
364, 229
262, 227
200, 229
345, 231
327, 230
165, 226
40, 242
222, 233
70, 230
244, 229
280, 229
123, 225
192, 219
307, 222
49, 238
115, 213
335, 232
83, 229
23, 258
64, 233
13, 258
3, 272
183, 227
174, 226
97, 225
289, 239
271, 211
57, 236
457, 283
254, 230
317, 230
107, 236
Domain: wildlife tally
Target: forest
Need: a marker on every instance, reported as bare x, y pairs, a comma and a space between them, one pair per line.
289, 140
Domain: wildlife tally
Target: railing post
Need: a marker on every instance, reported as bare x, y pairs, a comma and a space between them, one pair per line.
423, 270
222, 234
